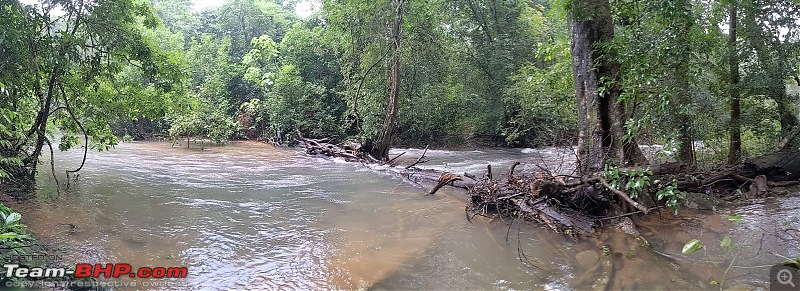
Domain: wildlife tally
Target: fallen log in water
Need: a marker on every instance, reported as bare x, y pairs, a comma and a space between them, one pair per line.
574, 205
351, 152
560, 205
754, 177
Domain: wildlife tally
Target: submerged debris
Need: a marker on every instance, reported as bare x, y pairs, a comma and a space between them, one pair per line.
535, 197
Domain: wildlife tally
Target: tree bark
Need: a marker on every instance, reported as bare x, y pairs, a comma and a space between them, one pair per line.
683, 97
600, 116
735, 148
583, 33
381, 149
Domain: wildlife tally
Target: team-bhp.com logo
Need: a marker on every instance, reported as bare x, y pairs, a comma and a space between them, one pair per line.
97, 271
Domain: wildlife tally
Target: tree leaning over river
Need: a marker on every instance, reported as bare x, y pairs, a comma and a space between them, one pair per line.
76, 67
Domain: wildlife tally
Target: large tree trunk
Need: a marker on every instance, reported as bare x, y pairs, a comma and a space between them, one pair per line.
600, 117
682, 96
582, 35
735, 149
381, 149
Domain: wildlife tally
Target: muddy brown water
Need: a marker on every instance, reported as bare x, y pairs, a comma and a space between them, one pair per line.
253, 216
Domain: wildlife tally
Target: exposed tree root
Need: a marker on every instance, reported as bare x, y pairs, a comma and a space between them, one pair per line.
445, 179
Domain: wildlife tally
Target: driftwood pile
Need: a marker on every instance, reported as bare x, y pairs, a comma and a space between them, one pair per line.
349, 151
537, 197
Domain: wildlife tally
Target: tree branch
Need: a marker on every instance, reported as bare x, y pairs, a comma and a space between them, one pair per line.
623, 195
85, 136
419, 161
53, 165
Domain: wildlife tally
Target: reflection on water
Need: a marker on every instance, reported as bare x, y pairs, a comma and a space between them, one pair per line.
253, 216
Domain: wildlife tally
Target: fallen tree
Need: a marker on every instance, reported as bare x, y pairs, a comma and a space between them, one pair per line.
576, 205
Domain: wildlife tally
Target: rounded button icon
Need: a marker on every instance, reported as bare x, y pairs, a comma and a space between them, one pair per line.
784, 277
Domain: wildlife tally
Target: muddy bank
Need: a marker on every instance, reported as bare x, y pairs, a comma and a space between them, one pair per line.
22, 248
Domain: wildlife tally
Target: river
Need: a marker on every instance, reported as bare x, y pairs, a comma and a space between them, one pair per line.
253, 216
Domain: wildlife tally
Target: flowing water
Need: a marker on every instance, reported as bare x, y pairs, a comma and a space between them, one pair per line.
253, 216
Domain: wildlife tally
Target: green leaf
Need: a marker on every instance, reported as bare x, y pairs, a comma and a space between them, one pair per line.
13, 217
12, 235
713, 282
726, 242
735, 218
692, 246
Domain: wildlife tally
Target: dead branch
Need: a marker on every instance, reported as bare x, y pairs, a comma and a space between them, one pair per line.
623, 195
389, 162
627, 214
445, 179
419, 160
786, 141
511, 171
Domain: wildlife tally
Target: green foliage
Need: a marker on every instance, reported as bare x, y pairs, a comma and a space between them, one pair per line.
496, 72
296, 98
672, 195
77, 71
260, 61
296, 104
735, 218
204, 120
725, 242
692, 246
636, 180
10, 125
793, 262
12, 232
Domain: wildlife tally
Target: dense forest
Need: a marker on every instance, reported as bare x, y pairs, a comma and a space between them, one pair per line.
713, 81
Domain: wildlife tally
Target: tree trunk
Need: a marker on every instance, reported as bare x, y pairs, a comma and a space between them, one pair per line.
735, 149
40, 129
682, 97
600, 116
582, 36
786, 107
684, 121
381, 149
